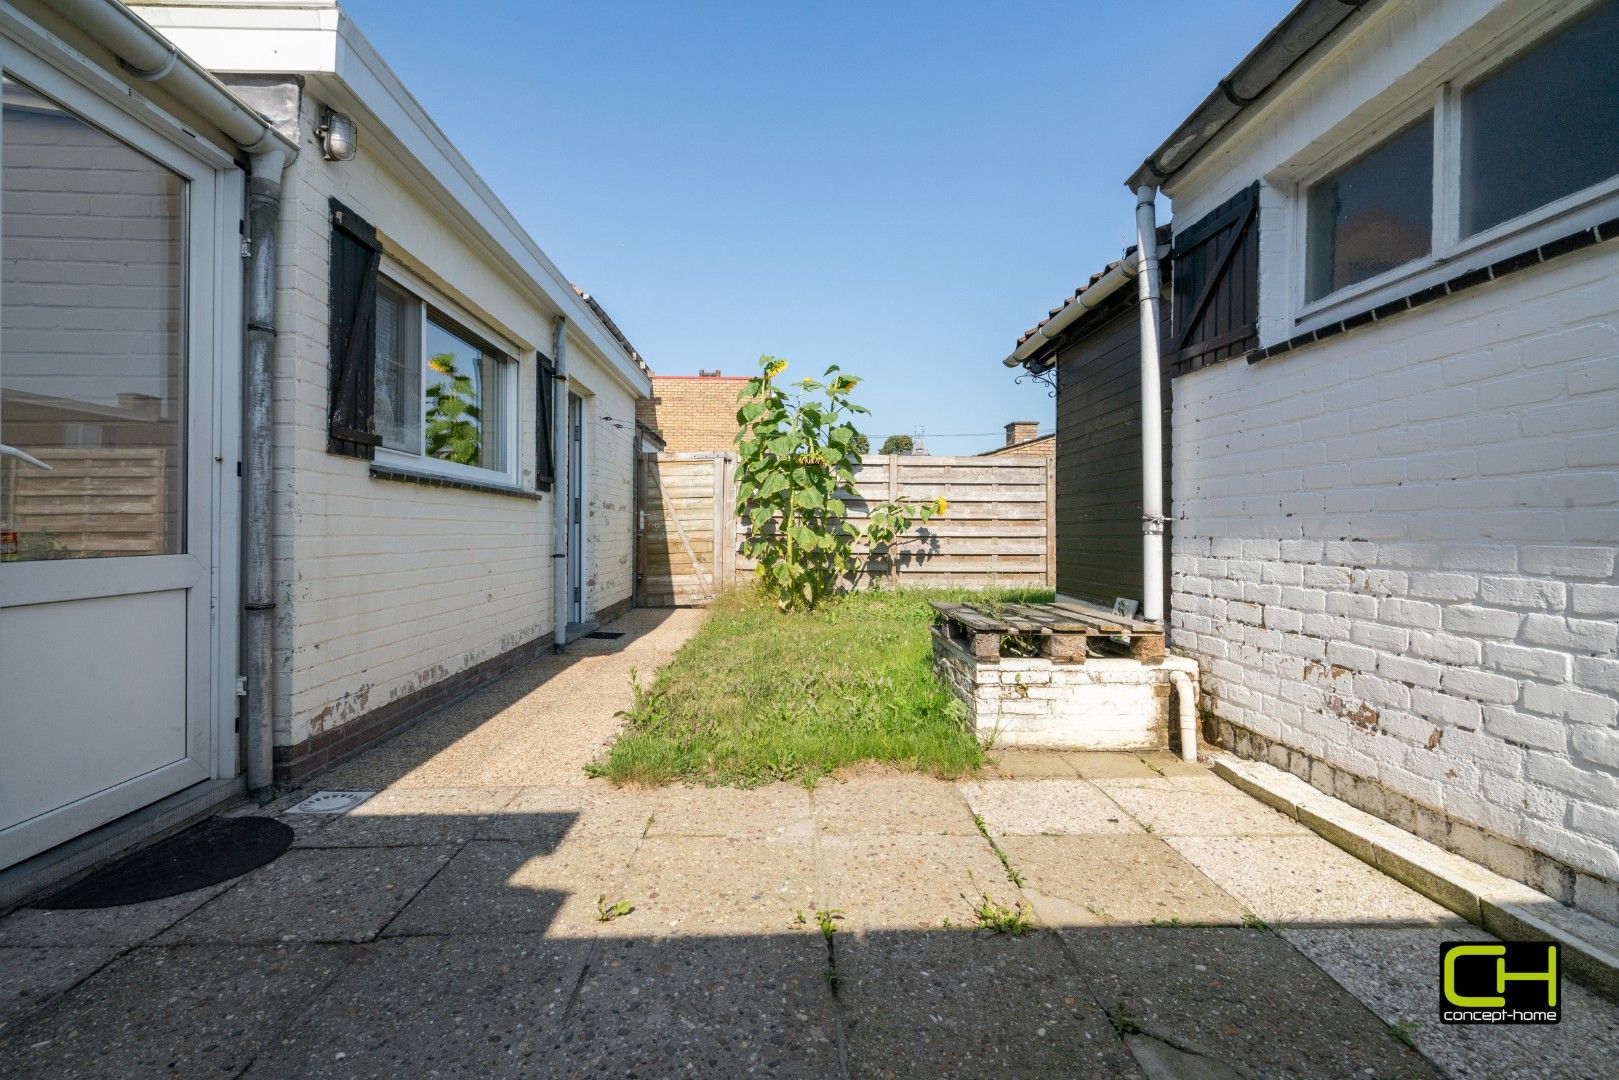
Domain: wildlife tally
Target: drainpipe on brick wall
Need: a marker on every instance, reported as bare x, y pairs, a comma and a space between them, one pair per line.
1152, 420
561, 463
258, 586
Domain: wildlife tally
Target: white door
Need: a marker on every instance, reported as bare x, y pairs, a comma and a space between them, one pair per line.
107, 273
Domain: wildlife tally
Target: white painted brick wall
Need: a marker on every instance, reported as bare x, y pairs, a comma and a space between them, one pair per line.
385, 588
1420, 589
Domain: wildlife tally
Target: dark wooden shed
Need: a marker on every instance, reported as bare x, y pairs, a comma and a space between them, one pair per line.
1098, 376
1208, 312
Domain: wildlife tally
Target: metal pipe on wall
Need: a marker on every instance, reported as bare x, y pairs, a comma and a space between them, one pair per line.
1152, 420
560, 482
258, 585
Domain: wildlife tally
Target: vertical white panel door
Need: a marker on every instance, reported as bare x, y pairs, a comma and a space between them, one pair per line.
106, 260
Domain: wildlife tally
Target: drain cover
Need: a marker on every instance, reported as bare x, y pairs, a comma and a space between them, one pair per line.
330, 802
606, 635
215, 851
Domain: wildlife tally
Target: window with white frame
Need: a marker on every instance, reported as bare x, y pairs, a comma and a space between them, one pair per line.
1511, 147
1374, 214
443, 395
1544, 126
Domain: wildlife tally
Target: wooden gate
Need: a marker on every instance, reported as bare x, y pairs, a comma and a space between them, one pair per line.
999, 529
685, 508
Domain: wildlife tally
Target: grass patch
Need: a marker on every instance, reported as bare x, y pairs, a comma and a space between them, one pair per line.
759, 695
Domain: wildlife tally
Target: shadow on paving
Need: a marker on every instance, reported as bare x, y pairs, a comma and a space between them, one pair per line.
472, 944
458, 930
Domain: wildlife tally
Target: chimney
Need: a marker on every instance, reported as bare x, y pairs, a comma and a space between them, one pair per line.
1021, 431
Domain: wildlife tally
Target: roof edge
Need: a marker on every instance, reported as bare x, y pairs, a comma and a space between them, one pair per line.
1289, 41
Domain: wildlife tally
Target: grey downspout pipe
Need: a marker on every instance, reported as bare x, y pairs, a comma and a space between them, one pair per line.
263, 221
1152, 419
561, 463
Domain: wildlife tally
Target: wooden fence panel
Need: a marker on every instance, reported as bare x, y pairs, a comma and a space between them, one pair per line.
100, 503
999, 530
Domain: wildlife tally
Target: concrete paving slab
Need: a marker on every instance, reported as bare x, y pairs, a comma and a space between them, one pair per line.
314, 894
1243, 997
909, 882
184, 1011
958, 1003
1195, 813
1306, 880
411, 816
1115, 881
593, 811
891, 805
1110, 765
1205, 782
130, 924
1395, 973
519, 887
1036, 807
778, 810
31, 978
719, 1006
1029, 765
683, 885
484, 1006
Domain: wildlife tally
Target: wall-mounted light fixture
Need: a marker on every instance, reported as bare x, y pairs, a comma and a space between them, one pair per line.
339, 139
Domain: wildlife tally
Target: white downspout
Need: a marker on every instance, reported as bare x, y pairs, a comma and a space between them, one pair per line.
258, 440
1152, 421
1186, 699
561, 462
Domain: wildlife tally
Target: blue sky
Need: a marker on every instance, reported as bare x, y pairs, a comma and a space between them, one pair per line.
897, 188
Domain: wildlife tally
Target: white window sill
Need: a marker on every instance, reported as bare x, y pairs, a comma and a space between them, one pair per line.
382, 469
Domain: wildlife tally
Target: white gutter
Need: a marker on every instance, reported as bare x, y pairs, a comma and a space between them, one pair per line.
148, 56
561, 462
1105, 286
1152, 419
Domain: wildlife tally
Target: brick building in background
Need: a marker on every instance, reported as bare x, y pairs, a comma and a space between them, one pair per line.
1023, 440
693, 412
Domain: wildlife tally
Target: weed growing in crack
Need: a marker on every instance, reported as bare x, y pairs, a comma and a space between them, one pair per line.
1002, 919
1123, 1020
1254, 922
606, 912
1012, 874
1404, 1031
1150, 765
827, 919
1171, 923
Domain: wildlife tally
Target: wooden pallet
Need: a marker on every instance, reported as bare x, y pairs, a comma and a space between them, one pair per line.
1066, 633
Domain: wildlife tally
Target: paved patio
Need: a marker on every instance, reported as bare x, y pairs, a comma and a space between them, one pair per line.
452, 925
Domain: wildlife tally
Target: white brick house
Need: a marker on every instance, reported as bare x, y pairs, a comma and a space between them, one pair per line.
1391, 386
402, 580
249, 518
1394, 547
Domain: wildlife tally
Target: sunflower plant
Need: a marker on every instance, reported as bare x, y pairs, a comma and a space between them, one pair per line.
797, 451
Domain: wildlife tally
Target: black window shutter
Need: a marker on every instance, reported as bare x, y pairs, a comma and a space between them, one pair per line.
1216, 285
544, 414
353, 334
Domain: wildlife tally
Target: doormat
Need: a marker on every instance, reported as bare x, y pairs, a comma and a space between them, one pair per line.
206, 854
605, 635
